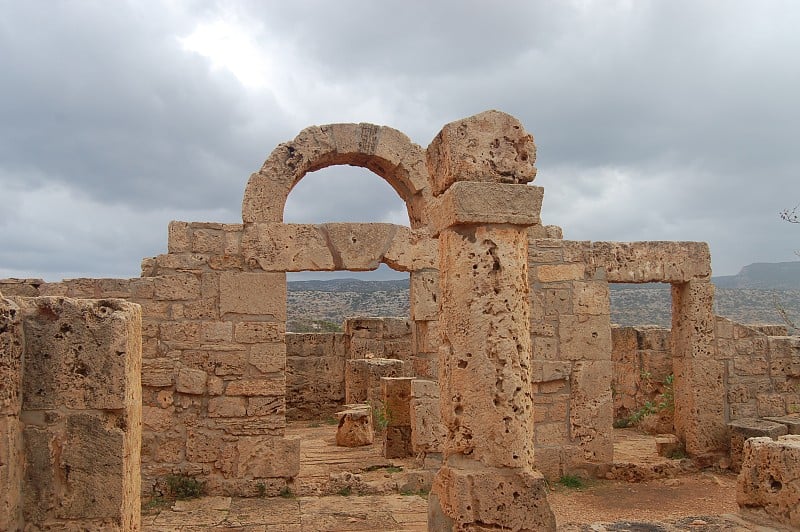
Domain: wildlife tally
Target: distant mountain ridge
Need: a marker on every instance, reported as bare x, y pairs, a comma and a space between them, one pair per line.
763, 276
751, 296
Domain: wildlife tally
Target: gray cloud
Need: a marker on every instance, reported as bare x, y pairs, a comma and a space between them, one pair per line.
654, 120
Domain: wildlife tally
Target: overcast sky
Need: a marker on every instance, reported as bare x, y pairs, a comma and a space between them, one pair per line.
671, 120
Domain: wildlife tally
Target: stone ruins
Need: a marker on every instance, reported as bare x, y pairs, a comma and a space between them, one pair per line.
507, 372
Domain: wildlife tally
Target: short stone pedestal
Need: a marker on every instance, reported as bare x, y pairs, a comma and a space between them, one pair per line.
396, 397
355, 427
745, 428
769, 482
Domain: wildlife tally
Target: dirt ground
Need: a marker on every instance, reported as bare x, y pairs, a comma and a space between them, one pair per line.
341, 489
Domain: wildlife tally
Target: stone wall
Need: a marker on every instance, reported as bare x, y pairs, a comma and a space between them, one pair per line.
761, 368
71, 413
762, 373
315, 362
642, 361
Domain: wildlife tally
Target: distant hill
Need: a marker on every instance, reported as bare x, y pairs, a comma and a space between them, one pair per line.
763, 276
751, 296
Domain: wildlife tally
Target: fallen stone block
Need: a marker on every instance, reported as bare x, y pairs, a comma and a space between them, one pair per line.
769, 481
745, 428
355, 427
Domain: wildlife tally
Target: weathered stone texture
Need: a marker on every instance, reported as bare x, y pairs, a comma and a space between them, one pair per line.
743, 429
78, 428
396, 410
468, 202
355, 427
490, 147
427, 431
385, 151
769, 482
363, 378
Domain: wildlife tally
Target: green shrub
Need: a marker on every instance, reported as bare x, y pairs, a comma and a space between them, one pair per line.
184, 487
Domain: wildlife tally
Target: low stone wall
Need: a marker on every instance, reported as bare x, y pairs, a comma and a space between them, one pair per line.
315, 362
70, 413
642, 360
762, 372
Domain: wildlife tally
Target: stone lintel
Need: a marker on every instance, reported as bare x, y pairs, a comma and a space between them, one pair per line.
472, 202
646, 262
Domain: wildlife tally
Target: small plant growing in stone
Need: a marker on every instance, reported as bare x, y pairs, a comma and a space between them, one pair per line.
261, 488
286, 493
345, 491
571, 482
184, 487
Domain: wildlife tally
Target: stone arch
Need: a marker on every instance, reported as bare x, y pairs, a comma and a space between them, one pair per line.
383, 150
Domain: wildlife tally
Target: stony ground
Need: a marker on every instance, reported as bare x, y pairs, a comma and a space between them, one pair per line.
342, 489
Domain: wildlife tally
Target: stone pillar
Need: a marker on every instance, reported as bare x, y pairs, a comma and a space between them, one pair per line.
487, 480
699, 387
11, 445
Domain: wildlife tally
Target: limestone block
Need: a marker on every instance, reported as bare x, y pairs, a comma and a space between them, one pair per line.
261, 457
252, 425
268, 358
769, 482
11, 338
359, 247
770, 404
411, 250
158, 419
158, 372
363, 378
743, 429
468, 202
11, 472
259, 294
489, 498
191, 381
553, 273
280, 247
360, 347
491, 147
216, 362
397, 328
424, 295
179, 239
79, 353
227, 407
208, 241
591, 297
425, 336
792, 422
364, 327
177, 287
397, 442
355, 427
265, 387
585, 337
205, 446
396, 397
428, 432
667, 445
644, 262
265, 406
591, 409
258, 332
550, 370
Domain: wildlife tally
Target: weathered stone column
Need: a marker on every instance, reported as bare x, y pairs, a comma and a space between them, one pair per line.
487, 480
699, 388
